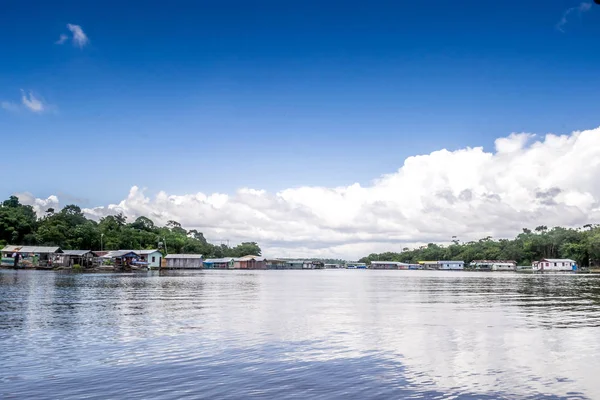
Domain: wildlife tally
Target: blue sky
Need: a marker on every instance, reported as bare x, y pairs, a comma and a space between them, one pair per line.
214, 96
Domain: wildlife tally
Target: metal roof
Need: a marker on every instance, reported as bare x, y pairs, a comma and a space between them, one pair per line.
388, 262
76, 252
32, 249
184, 256
557, 260
142, 252
250, 258
218, 260
119, 253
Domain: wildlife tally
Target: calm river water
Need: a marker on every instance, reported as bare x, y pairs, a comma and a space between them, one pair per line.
347, 334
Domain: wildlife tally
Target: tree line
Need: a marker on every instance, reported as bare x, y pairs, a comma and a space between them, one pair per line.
69, 229
581, 244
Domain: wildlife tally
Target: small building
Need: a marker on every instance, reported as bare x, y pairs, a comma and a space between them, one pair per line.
218, 263
451, 265
249, 262
332, 266
294, 264
150, 258
554, 265
388, 265
121, 258
69, 258
429, 264
493, 265
356, 265
275, 264
312, 264
184, 261
30, 256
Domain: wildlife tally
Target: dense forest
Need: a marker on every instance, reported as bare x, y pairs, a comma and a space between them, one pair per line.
70, 229
581, 245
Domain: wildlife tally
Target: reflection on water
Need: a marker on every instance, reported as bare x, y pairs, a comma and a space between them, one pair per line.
299, 334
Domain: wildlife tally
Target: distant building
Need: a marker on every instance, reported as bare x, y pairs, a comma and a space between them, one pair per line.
429, 264
184, 261
122, 258
451, 265
356, 265
388, 265
30, 256
219, 263
494, 265
250, 262
275, 264
309, 264
69, 258
554, 264
153, 258
332, 266
294, 264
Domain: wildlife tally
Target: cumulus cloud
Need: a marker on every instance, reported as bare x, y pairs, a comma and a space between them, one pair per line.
39, 205
78, 36
469, 193
580, 9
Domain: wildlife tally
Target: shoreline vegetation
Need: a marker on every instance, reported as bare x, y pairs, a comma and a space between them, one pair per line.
68, 228
580, 244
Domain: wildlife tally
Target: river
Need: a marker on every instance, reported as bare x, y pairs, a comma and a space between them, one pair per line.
329, 334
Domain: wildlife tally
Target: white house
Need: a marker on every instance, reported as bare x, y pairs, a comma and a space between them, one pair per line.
451, 265
494, 265
554, 264
152, 257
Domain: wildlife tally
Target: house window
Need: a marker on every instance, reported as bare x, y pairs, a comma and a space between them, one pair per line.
153, 259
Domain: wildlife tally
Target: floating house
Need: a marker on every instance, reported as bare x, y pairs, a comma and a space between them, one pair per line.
250, 262
332, 266
184, 261
69, 258
494, 265
30, 256
275, 264
429, 264
554, 265
309, 264
149, 258
451, 265
356, 265
294, 264
219, 263
389, 265
122, 258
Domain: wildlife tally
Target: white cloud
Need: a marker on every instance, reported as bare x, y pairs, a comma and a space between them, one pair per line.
39, 205
31, 102
470, 193
62, 39
581, 8
80, 39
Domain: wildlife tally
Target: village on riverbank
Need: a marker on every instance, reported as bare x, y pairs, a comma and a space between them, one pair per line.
52, 257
